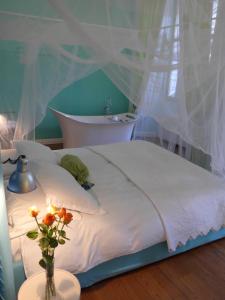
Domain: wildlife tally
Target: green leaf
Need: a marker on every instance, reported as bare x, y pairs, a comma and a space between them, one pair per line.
43, 228
32, 234
43, 242
50, 233
61, 242
42, 263
62, 233
53, 243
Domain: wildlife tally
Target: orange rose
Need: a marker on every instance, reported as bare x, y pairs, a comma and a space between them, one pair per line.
49, 219
62, 212
33, 211
67, 218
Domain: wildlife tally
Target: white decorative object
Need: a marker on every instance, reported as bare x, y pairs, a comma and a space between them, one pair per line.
115, 118
79, 131
67, 286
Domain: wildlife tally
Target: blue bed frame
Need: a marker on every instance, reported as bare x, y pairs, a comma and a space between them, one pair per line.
12, 274
129, 262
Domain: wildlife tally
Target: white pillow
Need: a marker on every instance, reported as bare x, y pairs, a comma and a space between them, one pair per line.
8, 168
35, 151
59, 185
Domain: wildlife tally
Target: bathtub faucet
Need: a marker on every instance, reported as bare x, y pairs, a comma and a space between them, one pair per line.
108, 107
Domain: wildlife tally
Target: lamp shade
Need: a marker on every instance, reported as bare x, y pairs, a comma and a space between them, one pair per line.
21, 180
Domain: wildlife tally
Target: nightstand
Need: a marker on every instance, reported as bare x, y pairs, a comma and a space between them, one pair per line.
67, 286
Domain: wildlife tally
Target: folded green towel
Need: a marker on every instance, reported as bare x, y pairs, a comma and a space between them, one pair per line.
76, 167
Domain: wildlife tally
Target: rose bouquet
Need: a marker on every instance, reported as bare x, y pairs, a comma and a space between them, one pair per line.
50, 233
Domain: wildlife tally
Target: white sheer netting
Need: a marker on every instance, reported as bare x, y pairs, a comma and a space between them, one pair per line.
166, 56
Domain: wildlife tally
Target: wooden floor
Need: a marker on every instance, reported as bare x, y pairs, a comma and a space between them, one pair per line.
197, 274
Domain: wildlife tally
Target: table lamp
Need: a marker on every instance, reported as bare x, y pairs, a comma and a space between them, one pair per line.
21, 180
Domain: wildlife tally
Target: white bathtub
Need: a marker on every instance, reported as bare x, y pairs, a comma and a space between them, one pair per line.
79, 131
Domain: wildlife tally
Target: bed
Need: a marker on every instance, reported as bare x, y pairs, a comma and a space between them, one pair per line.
151, 204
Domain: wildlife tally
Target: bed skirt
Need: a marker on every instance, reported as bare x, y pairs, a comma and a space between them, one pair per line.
129, 262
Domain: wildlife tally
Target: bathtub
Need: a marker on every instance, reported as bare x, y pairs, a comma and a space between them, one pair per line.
79, 131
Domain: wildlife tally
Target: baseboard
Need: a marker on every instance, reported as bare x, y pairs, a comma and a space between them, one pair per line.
52, 141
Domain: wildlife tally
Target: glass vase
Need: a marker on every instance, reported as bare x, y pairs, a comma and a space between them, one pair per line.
50, 284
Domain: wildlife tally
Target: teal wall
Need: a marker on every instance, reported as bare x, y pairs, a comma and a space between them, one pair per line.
85, 97
11, 76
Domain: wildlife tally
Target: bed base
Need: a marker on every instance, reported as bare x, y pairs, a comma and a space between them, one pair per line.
129, 262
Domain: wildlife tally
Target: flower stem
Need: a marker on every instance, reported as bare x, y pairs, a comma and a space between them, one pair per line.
38, 224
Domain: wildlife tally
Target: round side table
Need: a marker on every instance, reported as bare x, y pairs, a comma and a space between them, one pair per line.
67, 286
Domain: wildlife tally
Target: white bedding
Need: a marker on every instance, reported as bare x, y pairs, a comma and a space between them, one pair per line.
189, 200
129, 225
137, 215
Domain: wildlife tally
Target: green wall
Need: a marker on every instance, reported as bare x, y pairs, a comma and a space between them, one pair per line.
85, 97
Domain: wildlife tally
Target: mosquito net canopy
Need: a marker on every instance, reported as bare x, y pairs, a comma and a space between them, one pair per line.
166, 56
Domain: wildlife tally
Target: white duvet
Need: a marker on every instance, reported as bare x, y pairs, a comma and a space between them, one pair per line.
189, 200
149, 196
